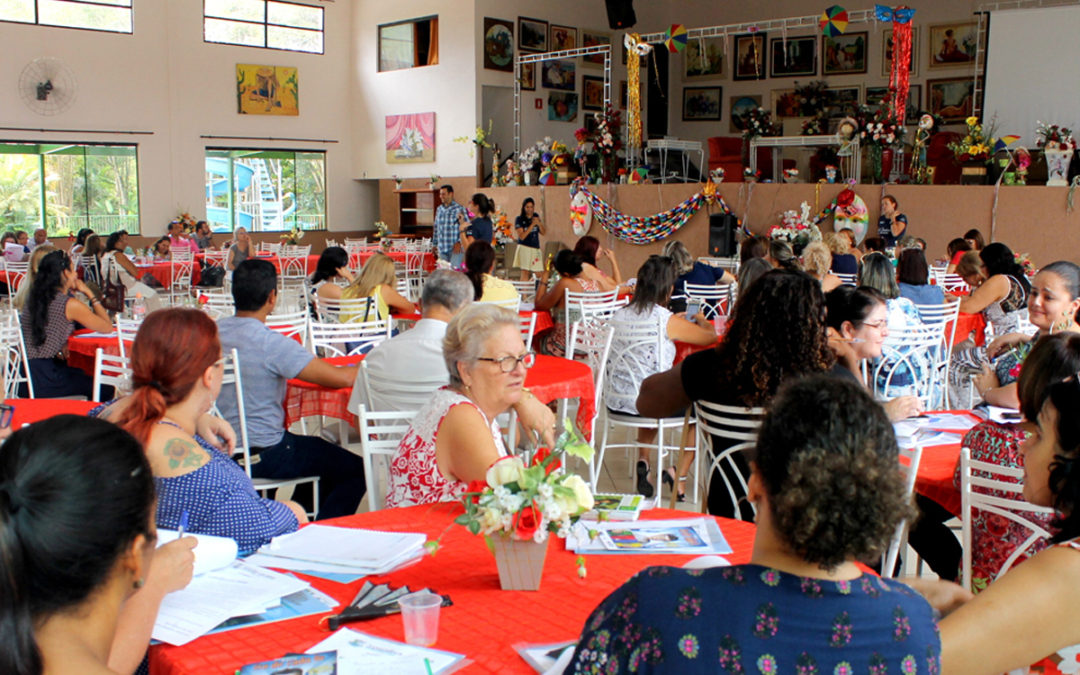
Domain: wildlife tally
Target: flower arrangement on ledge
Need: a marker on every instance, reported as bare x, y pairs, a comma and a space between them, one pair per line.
815, 126
293, 236
758, 122
977, 142
879, 127
811, 98
480, 140
1054, 137
796, 228
381, 230
605, 143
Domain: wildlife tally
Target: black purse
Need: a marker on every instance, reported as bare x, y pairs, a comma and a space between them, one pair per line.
112, 293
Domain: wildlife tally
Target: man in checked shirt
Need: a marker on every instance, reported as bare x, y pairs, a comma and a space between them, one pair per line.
446, 226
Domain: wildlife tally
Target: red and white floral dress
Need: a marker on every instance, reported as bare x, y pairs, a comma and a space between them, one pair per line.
414, 472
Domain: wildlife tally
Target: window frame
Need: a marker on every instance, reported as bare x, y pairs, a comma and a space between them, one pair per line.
266, 25
433, 18
37, 18
234, 153
86, 183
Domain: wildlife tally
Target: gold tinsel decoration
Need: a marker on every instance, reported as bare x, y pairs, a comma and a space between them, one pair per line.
633, 86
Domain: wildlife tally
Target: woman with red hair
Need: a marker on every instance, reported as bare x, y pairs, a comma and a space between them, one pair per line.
590, 251
177, 370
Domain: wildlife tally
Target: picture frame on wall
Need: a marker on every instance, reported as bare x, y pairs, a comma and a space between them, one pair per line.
739, 106
953, 44
498, 44
559, 74
784, 103
751, 59
793, 57
562, 106
532, 34
704, 59
842, 101
702, 104
528, 77
886, 51
561, 38
844, 54
592, 93
950, 97
593, 38
914, 104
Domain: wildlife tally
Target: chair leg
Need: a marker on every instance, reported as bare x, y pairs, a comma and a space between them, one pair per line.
598, 460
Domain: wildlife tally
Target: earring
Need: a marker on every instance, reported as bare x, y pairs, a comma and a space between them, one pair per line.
139, 583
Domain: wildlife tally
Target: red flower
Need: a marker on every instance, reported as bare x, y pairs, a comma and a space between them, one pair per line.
541, 455
475, 488
846, 197
528, 520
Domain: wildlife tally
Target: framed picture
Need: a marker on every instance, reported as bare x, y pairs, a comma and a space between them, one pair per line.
843, 54
703, 59
562, 106
914, 104
784, 103
562, 37
950, 97
740, 105
700, 104
875, 96
592, 93
590, 38
528, 76
410, 138
952, 44
841, 102
886, 51
559, 74
794, 57
498, 45
267, 90
751, 60
532, 34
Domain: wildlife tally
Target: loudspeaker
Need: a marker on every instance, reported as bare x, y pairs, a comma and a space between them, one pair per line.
722, 228
620, 13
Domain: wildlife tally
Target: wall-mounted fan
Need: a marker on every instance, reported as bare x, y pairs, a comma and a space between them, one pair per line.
47, 86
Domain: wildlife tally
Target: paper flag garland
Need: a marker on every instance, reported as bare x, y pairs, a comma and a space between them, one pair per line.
833, 21
638, 175
675, 38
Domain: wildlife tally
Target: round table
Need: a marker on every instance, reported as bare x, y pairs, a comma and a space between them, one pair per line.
937, 467
484, 621
82, 349
30, 410
164, 271
305, 399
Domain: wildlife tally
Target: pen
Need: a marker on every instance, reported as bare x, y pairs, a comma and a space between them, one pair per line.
427, 664
183, 525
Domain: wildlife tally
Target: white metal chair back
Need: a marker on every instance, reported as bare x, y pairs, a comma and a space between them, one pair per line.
730, 423
730, 264
218, 305
512, 304
952, 283
16, 366
216, 258
577, 305
347, 339
126, 330
293, 325
380, 436
591, 344
909, 465
293, 261
351, 241
231, 375
182, 255
389, 392
268, 247
944, 314
91, 268
343, 310
16, 274
716, 301
908, 363
847, 279
526, 289
997, 490
112, 371
182, 268
528, 327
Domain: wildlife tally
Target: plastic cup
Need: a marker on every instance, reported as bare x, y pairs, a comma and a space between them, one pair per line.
420, 613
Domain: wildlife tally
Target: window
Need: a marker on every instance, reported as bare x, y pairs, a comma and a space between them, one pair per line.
72, 185
272, 190
409, 44
107, 15
263, 23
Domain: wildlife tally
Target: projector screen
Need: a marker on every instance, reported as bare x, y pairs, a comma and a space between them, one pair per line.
1032, 56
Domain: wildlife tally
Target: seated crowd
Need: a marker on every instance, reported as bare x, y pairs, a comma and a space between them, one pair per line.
806, 348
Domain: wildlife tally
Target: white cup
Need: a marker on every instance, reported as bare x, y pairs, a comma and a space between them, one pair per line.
420, 614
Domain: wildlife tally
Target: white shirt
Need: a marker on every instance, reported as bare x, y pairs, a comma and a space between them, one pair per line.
416, 354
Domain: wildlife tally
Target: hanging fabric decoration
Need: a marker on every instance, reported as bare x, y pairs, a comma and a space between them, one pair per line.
900, 67
675, 38
833, 21
635, 49
647, 229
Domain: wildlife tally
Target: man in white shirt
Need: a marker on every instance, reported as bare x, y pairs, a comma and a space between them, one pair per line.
417, 355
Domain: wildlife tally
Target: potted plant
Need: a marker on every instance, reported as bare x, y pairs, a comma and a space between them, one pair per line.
880, 132
796, 228
756, 122
973, 150
1058, 146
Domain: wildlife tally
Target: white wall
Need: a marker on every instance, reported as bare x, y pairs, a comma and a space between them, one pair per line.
165, 79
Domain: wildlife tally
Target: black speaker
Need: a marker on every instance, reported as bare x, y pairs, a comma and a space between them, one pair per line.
722, 228
620, 13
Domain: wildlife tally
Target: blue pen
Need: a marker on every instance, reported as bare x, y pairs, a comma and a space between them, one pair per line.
183, 524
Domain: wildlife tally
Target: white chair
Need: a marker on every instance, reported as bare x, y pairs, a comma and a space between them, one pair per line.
293, 325
388, 392
16, 274
909, 465
112, 371
182, 255
526, 289
590, 304
347, 339
528, 327
91, 268
946, 315
330, 310
997, 490
512, 304
216, 258
730, 264
268, 247
907, 365
737, 426
716, 301
952, 283
16, 366
126, 330
293, 266
380, 436
182, 268
263, 485
847, 279
218, 305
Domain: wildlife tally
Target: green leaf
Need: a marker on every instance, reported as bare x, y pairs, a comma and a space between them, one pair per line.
432, 547
463, 519
474, 527
490, 544
571, 442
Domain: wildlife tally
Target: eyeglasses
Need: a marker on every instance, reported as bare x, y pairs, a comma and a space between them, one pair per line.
508, 363
876, 324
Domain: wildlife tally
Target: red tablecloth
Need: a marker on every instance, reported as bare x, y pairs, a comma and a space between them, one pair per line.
684, 349
935, 476
484, 621
163, 272
304, 399
310, 264
427, 260
552, 378
966, 323
30, 410
543, 318
82, 350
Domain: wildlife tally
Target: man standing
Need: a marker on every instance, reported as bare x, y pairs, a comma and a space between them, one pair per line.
268, 360
446, 226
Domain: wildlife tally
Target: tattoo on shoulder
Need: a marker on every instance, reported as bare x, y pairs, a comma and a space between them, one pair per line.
182, 453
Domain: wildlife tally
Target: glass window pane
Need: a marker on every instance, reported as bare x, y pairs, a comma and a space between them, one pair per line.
65, 202
311, 191
76, 15
396, 47
294, 39
297, 16
234, 33
20, 191
246, 10
17, 10
113, 189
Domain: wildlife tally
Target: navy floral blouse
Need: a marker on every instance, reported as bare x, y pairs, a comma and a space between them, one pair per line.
754, 620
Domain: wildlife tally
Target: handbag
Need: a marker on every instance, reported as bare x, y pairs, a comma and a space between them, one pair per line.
112, 293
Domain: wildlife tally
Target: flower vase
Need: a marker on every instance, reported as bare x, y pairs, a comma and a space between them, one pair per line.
873, 153
973, 172
520, 563
530, 177
480, 167
1057, 166
887, 155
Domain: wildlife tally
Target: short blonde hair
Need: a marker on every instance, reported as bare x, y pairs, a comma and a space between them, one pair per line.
837, 243
469, 330
970, 263
816, 259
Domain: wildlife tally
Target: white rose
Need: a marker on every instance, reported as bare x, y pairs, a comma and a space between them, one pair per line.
491, 520
582, 494
505, 470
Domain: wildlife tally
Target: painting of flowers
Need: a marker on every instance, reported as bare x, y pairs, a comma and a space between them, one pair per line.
410, 138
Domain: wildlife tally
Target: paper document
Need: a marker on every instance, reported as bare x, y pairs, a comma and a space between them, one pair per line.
351, 547
690, 536
360, 654
1004, 415
212, 553
96, 335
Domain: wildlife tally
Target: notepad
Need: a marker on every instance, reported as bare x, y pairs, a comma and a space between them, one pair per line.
212, 553
366, 550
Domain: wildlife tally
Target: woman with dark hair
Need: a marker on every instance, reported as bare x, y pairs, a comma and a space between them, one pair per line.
177, 370
571, 278
874, 244
480, 228
528, 227
333, 265
913, 278
80, 241
782, 256
751, 271
956, 250
162, 250
48, 319
975, 239
753, 247
776, 331
690, 271
590, 251
892, 225
828, 496
649, 306
117, 268
479, 262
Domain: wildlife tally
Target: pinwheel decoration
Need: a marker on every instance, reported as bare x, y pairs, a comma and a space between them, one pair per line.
833, 21
675, 38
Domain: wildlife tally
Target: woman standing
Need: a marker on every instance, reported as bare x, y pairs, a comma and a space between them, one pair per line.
892, 225
480, 227
117, 268
528, 227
